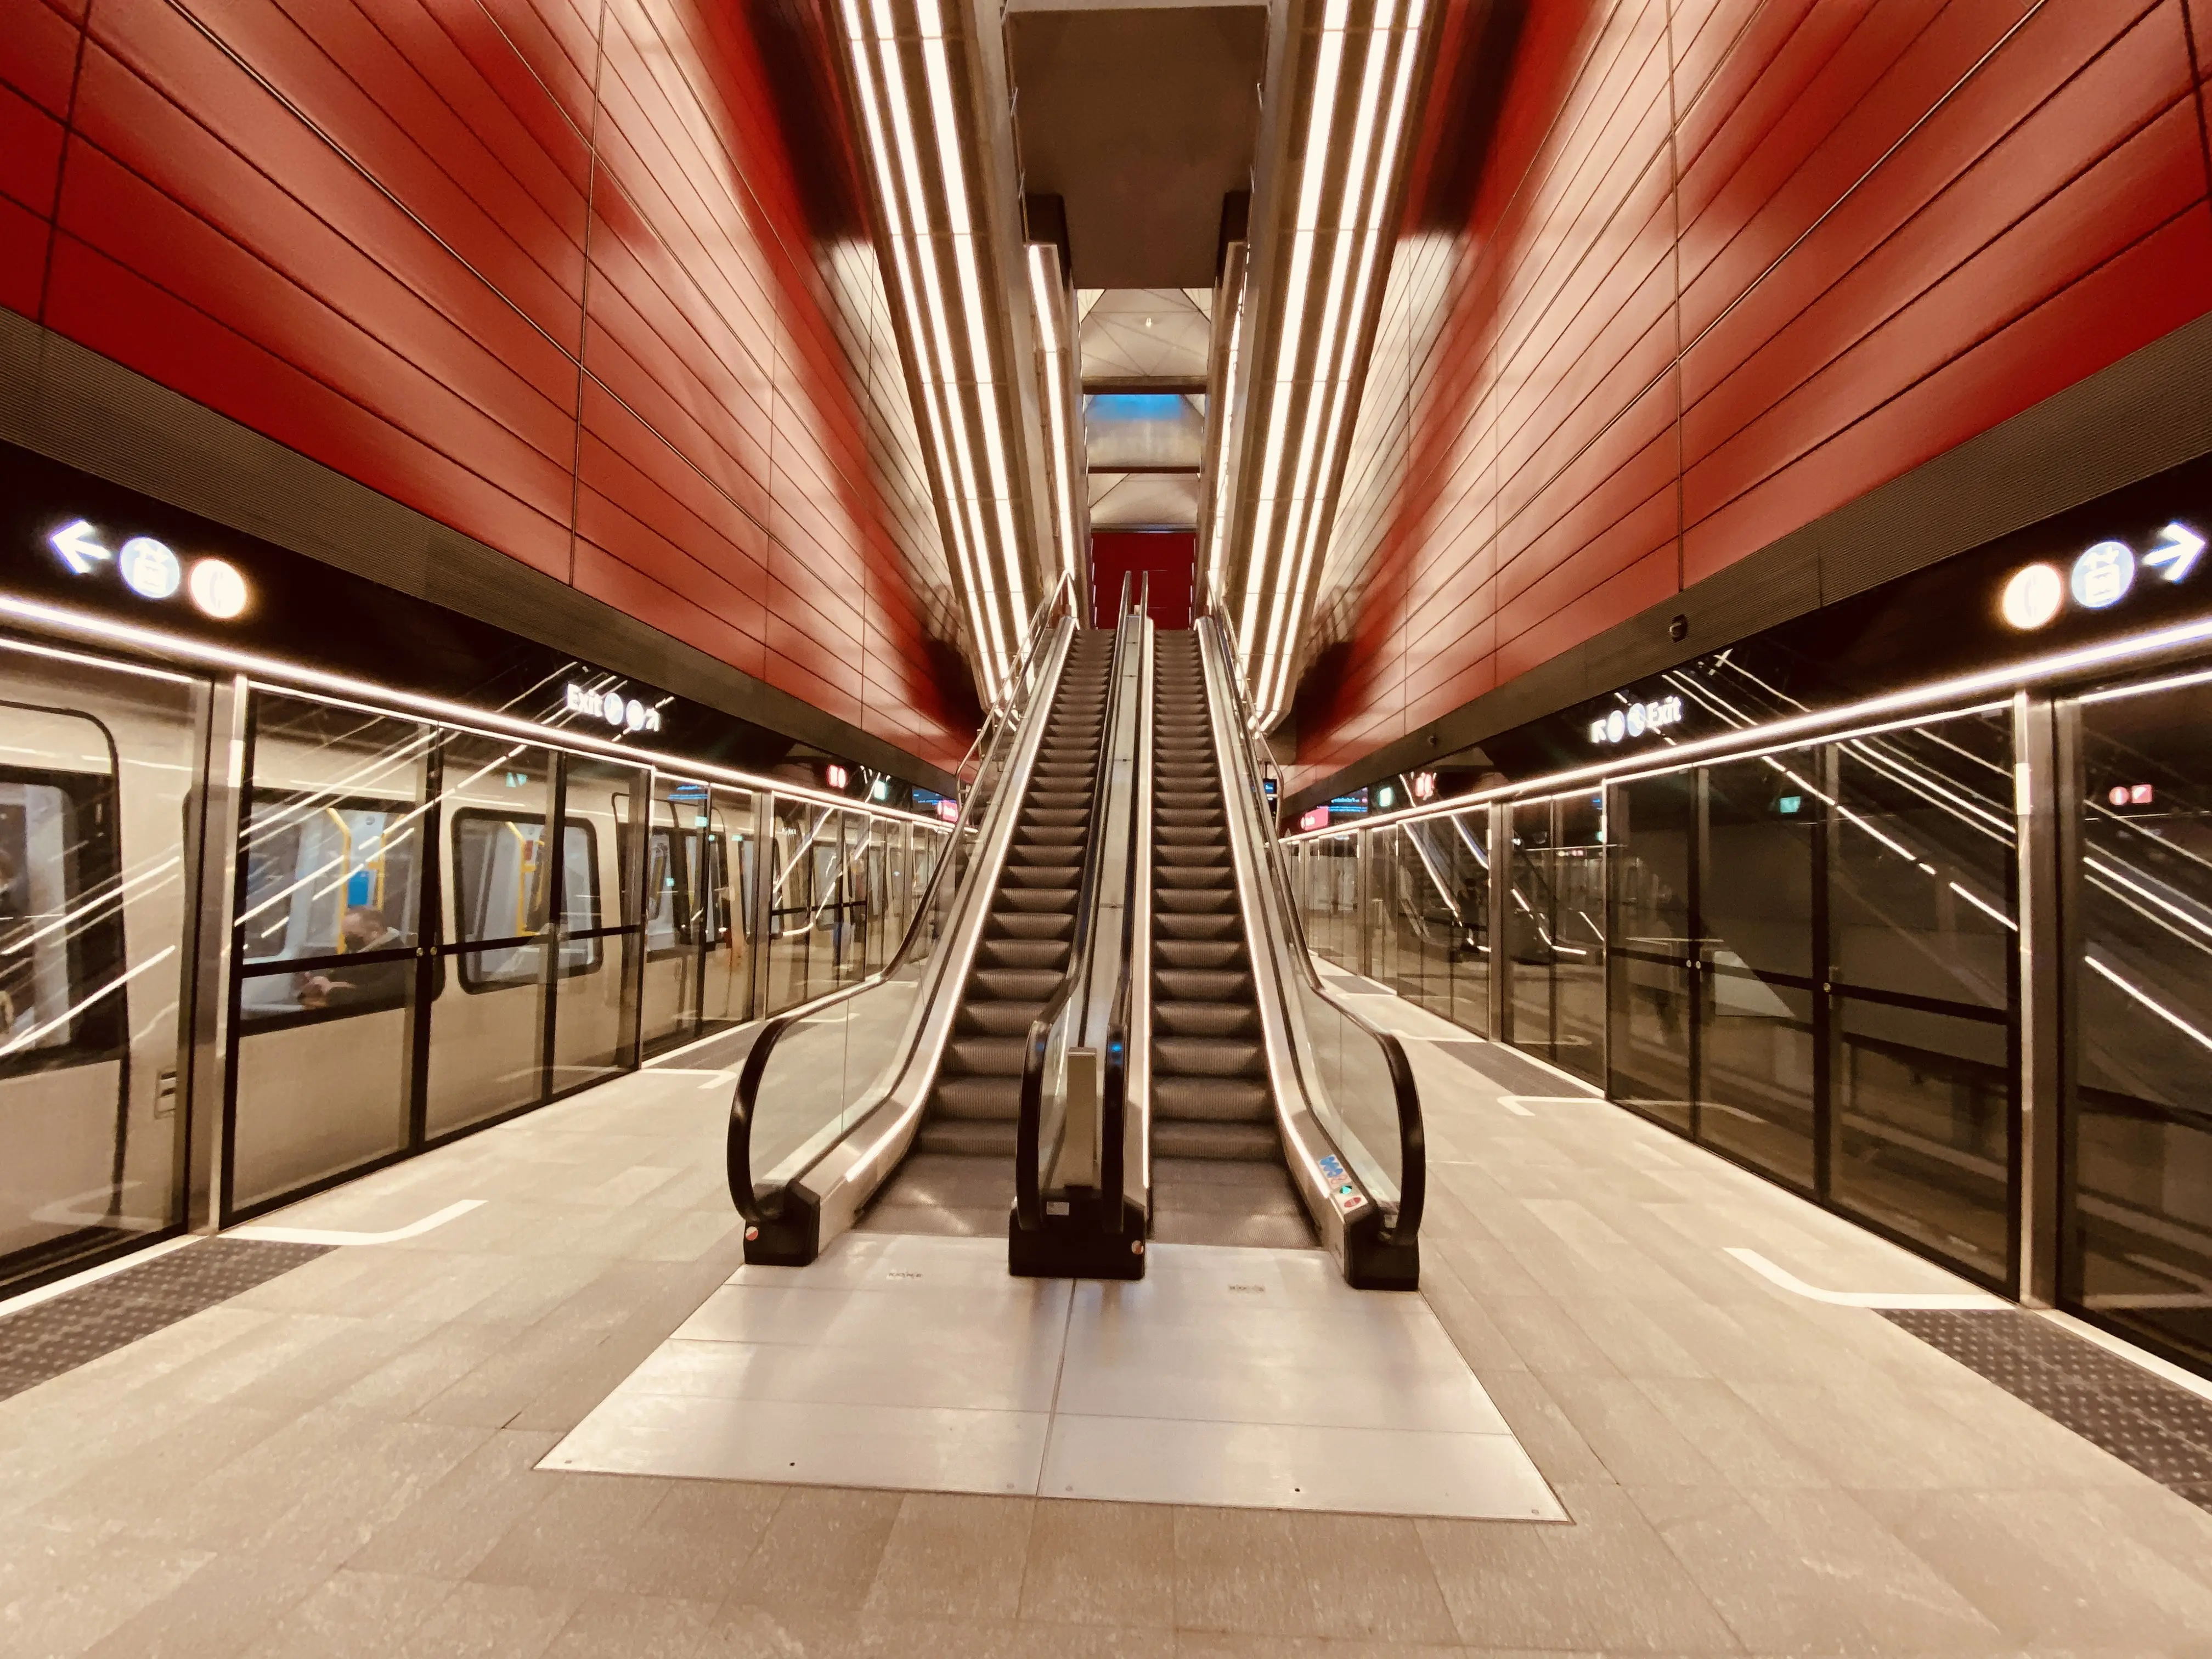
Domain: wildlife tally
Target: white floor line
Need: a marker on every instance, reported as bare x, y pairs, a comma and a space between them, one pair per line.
15, 1305
1898, 1300
1512, 1104
2165, 1369
339, 1236
700, 1043
686, 1071
717, 1079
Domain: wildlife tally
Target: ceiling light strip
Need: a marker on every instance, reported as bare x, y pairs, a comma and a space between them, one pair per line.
1372, 235
1331, 343
1045, 295
904, 255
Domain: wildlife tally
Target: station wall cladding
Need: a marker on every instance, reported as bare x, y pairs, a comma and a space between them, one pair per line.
1677, 278
588, 280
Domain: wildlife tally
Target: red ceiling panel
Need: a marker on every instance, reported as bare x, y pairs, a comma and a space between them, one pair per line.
1878, 227
361, 227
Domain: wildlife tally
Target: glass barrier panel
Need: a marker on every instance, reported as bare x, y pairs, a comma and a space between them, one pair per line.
1921, 864
1384, 942
1923, 1103
1755, 902
1578, 938
1528, 937
722, 847
675, 913
1465, 837
2139, 1144
487, 1029
1651, 825
1428, 915
802, 880
331, 879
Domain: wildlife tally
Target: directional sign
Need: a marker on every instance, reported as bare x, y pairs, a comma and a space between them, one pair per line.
78, 546
2177, 554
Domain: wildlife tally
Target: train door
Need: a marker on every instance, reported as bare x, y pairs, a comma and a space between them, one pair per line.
723, 850
98, 766
675, 913
596, 901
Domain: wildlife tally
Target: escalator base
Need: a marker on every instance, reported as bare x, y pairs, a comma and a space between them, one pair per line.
1076, 1245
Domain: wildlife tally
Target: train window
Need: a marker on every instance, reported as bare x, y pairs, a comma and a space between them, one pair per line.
501, 880
61, 933
327, 879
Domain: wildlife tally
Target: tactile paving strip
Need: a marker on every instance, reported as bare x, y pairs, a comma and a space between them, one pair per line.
1514, 1072
2147, 1422
77, 1327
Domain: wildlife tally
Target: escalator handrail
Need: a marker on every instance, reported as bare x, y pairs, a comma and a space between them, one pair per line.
1038, 618
1028, 1125
1114, 1087
745, 1098
1412, 1140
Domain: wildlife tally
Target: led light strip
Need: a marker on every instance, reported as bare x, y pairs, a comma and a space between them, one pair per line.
948, 361
1044, 295
393, 702
1308, 413
1915, 701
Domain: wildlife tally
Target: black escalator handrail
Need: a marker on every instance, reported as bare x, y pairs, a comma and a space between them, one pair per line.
1114, 1088
1029, 1127
1413, 1139
745, 1098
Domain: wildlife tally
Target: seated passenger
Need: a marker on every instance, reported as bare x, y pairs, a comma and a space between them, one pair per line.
371, 984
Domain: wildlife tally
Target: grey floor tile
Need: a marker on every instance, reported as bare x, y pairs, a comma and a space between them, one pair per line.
479, 1621
1238, 1570
222, 1609
1735, 1440
1100, 1564
1803, 1571
821, 1550
951, 1555
577, 1537
2055, 1569
1544, 1431
1608, 1582
1632, 1437
612, 1626
448, 1530
353, 1615
103, 1588
1370, 1579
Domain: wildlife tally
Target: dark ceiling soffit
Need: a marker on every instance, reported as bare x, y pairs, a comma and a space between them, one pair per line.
1148, 471
2136, 417
1179, 384
71, 404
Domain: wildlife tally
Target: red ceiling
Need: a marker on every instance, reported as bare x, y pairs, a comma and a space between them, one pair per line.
1723, 267
552, 273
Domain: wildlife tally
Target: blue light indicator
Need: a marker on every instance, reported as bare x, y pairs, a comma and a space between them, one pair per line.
1788, 803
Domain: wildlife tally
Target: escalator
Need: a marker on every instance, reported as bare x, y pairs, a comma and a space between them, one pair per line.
1218, 1175
959, 1177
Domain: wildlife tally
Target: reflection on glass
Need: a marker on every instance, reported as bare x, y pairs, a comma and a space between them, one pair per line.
1652, 828
1556, 932
94, 773
1921, 863
1466, 839
2140, 1163
1923, 1103
1430, 929
1756, 1040
599, 899
1528, 928
330, 863
488, 1036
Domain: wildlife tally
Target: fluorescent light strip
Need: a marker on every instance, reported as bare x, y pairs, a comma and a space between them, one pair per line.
1329, 350
1216, 556
1288, 335
906, 253
1046, 300
392, 702
1913, 703
1371, 242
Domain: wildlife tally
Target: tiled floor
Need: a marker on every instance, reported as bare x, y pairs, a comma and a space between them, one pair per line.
1226, 1377
342, 1460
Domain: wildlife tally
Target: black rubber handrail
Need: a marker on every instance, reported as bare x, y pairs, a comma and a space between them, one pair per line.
1114, 1090
745, 1099
1029, 1127
1413, 1139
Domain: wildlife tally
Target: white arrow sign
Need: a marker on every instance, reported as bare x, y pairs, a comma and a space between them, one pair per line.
2177, 554
78, 549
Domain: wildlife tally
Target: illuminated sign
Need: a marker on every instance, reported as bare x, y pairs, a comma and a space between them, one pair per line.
152, 570
2100, 578
1635, 719
837, 775
2131, 795
1425, 786
1315, 817
610, 706
949, 811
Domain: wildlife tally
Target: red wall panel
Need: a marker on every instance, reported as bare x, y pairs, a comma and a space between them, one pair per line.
1724, 266
589, 280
